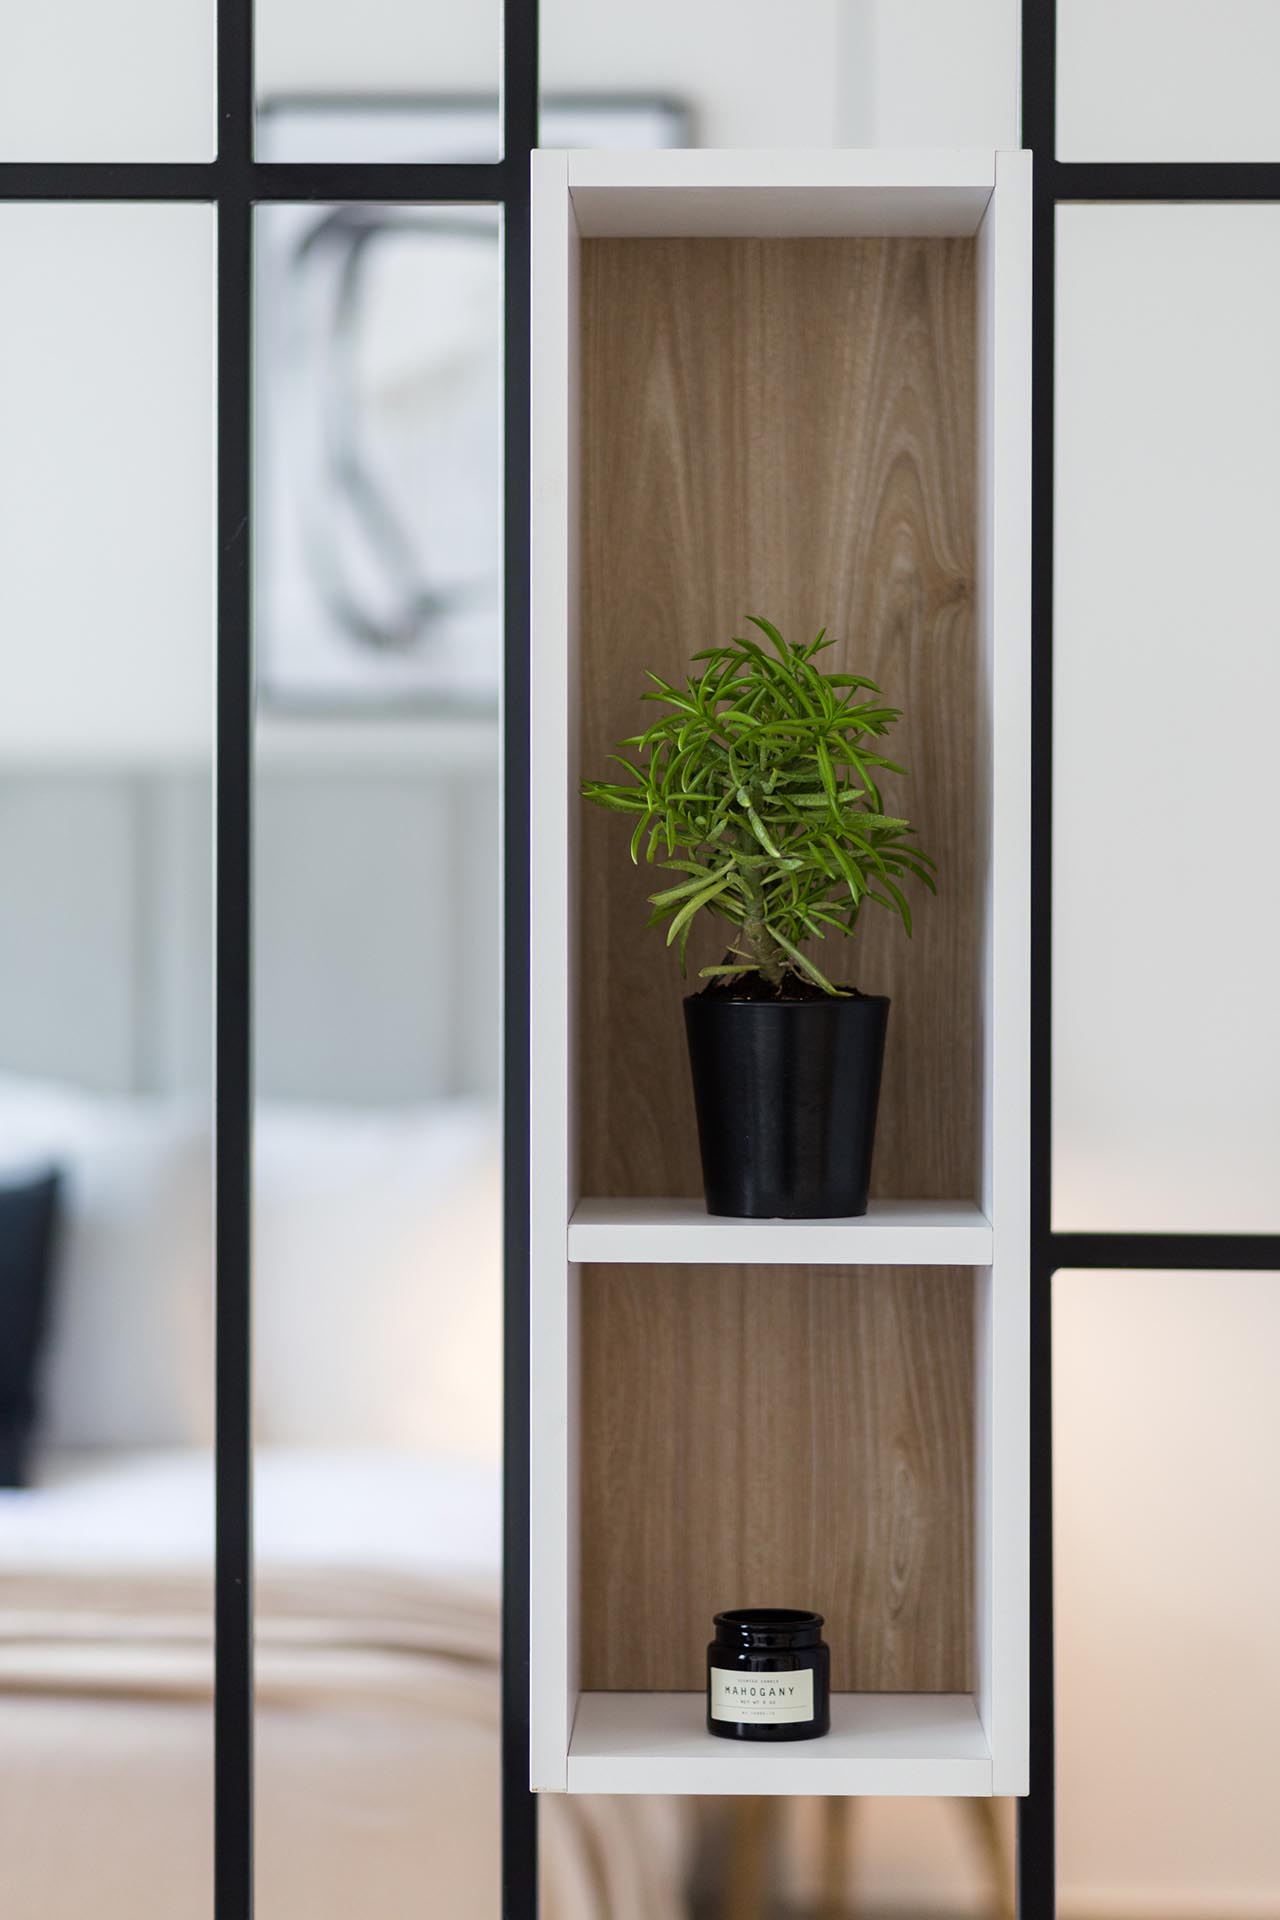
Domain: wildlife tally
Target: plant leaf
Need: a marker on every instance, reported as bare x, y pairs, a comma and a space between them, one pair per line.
691, 906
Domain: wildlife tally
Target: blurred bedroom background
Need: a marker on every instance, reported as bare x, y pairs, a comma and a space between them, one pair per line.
377, 1178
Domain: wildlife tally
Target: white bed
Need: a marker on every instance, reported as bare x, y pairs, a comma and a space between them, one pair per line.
377, 1521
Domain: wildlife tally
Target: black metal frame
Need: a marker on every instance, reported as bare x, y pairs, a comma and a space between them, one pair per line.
233, 183
1055, 182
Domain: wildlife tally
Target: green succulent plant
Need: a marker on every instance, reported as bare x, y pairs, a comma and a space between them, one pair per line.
761, 790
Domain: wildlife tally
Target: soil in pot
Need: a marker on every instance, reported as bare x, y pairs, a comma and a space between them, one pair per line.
754, 987
786, 1083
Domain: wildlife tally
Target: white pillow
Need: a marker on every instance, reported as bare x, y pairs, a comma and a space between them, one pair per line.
129, 1357
377, 1270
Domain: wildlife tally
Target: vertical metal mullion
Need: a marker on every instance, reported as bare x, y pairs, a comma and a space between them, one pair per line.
519, 137
233, 1052
519, 85
1037, 1871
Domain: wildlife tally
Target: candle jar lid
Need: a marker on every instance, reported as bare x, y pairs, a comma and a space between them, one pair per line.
768, 1629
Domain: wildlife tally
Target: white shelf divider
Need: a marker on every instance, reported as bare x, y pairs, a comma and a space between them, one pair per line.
905, 1233
879, 1743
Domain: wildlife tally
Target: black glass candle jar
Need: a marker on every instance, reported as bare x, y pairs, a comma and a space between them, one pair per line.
768, 1675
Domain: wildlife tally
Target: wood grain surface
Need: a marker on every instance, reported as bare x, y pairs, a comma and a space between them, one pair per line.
781, 427
786, 428
777, 1436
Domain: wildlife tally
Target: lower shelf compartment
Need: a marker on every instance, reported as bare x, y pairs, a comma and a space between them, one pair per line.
880, 1744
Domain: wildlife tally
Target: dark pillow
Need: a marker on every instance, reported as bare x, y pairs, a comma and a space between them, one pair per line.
28, 1217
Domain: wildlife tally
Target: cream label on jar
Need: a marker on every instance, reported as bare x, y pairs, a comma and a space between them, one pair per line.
761, 1699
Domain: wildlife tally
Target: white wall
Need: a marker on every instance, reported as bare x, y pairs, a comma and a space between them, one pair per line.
1166, 684
1168, 79
821, 73
81, 80
943, 73
755, 74
106, 483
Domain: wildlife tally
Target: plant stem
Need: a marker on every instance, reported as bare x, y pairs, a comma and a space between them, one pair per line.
766, 954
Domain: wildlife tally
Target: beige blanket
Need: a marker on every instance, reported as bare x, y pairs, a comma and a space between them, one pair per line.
376, 1769
341, 1633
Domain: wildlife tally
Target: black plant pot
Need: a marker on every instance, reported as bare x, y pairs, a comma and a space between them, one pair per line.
786, 1093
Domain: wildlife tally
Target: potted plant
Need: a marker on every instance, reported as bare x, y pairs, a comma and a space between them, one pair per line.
759, 790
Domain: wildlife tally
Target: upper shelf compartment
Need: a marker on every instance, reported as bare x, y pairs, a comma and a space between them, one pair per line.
778, 415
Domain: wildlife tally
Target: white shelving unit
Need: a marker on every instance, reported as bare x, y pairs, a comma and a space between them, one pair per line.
880, 1743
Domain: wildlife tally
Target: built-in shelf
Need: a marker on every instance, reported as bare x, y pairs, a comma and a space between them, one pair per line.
795, 384
879, 1743
892, 1233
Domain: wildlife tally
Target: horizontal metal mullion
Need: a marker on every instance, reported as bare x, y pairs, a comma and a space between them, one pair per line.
493, 181
107, 180
1160, 180
415, 183
1225, 1252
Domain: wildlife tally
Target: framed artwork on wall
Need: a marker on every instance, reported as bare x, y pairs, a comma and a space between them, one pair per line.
378, 422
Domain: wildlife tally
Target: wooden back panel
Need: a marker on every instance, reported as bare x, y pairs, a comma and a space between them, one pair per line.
784, 427
765, 1436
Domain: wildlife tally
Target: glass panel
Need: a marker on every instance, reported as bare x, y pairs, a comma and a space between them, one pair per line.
1168, 80
380, 82
106, 1349
84, 81
1166, 1044
1167, 1580
377, 1181
747, 73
